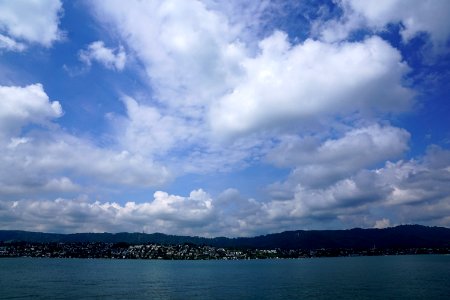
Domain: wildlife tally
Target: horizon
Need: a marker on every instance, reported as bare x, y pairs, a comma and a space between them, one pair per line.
204, 118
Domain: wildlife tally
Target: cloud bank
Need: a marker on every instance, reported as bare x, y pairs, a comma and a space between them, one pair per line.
412, 191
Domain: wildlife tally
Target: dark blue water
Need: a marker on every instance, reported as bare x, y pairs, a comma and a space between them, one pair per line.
388, 277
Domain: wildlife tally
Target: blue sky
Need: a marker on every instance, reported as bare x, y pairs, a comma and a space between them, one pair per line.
230, 118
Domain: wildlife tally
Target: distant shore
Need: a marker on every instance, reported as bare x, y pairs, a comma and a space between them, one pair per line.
189, 251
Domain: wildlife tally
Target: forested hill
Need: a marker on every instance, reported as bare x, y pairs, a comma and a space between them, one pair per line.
404, 236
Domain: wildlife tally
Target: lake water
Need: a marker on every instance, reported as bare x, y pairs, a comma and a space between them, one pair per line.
384, 277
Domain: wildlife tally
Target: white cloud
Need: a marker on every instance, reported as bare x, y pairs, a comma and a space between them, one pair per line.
196, 214
206, 71
62, 184
415, 181
182, 144
190, 53
17, 185
299, 83
34, 164
210, 83
373, 143
414, 191
383, 223
30, 21
10, 44
165, 213
320, 163
343, 197
48, 159
365, 199
149, 131
114, 59
429, 16
415, 16
20, 106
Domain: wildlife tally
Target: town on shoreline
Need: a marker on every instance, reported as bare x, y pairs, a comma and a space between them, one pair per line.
188, 251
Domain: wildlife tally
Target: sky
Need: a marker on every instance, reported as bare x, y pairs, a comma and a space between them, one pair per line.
223, 118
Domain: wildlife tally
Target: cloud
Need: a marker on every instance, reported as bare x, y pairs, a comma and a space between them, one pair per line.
210, 83
33, 185
304, 82
415, 17
184, 145
20, 106
368, 198
41, 157
220, 98
319, 163
30, 22
195, 214
188, 61
383, 223
10, 44
416, 181
225, 93
204, 70
147, 130
113, 59
37, 160
413, 191
165, 213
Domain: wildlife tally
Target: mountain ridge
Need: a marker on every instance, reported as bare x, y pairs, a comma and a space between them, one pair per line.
402, 236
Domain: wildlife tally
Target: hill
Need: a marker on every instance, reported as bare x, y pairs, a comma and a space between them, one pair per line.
404, 236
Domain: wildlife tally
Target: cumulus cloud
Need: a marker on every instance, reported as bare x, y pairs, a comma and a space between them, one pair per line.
48, 159
111, 58
417, 181
369, 198
38, 161
165, 213
413, 191
196, 214
181, 143
203, 70
312, 80
320, 163
147, 130
20, 106
189, 64
30, 22
190, 53
415, 17
210, 84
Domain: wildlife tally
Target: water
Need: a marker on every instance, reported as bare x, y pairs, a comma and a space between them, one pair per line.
388, 277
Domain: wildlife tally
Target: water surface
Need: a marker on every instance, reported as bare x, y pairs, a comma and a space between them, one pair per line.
383, 277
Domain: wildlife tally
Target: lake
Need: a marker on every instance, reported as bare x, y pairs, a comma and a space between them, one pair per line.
381, 277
